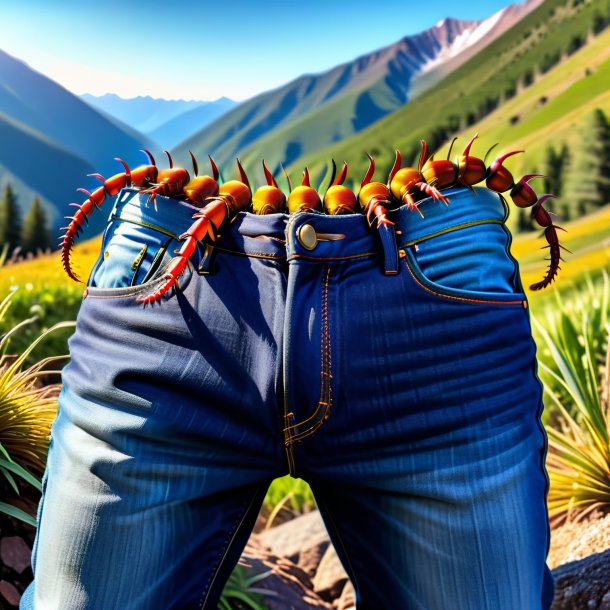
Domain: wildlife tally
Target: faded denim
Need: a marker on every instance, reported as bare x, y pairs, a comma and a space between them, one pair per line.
410, 402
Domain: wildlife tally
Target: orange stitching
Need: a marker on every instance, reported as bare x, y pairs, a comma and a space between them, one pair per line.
322, 365
253, 254
463, 225
448, 296
325, 371
333, 258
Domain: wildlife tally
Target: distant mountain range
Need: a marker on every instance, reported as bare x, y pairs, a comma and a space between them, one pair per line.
315, 110
51, 139
167, 122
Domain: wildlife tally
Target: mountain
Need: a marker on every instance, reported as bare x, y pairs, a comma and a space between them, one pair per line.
468, 45
165, 121
179, 128
33, 165
315, 110
528, 90
52, 139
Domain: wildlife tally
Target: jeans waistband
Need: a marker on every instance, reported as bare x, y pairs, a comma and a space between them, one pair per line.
284, 236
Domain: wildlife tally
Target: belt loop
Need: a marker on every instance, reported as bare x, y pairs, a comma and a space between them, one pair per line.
206, 266
390, 249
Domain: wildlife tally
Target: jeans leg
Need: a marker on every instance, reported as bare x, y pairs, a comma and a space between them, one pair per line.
429, 472
166, 440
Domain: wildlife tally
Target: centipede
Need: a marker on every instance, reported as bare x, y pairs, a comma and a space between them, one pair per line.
219, 203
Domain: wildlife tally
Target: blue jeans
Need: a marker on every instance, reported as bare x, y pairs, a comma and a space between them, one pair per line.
408, 400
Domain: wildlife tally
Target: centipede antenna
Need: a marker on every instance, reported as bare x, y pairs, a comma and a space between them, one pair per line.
242, 174
431, 157
171, 161
487, 153
287, 177
214, 168
395, 167
451, 147
269, 176
98, 176
422, 156
332, 175
149, 155
305, 181
369, 172
127, 170
342, 175
195, 166
469, 145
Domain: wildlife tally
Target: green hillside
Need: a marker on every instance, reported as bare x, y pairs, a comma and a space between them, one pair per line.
486, 92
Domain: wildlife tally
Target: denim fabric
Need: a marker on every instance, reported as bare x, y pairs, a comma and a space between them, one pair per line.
410, 402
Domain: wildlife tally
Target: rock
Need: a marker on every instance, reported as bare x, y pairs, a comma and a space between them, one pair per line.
583, 584
9, 592
309, 560
289, 587
330, 577
347, 600
295, 537
15, 553
578, 539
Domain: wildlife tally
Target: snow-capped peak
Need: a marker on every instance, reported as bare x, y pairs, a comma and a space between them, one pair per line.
465, 39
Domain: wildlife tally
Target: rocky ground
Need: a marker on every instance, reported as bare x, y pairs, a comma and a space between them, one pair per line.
304, 572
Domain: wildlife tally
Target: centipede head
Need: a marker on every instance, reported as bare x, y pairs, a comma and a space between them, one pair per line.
522, 194
268, 199
499, 179
200, 188
471, 170
370, 190
338, 198
145, 175
304, 196
236, 193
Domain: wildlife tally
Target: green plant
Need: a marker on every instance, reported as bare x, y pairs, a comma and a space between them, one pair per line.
293, 496
578, 385
44, 306
572, 335
27, 410
239, 592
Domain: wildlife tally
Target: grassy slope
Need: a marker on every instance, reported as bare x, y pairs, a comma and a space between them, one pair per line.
486, 75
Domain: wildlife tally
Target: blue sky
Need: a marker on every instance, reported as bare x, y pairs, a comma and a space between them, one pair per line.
204, 50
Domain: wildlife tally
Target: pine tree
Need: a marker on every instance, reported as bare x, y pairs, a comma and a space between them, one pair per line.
587, 175
562, 160
35, 231
554, 168
10, 219
524, 221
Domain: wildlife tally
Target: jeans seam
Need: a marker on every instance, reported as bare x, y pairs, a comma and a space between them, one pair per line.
545, 444
332, 258
253, 254
516, 280
227, 547
459, 298
146, 225
325, 371
463, 225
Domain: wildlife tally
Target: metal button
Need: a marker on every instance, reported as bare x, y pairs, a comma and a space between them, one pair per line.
307, 237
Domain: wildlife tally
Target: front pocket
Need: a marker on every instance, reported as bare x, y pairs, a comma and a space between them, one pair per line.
131, 255
470, 263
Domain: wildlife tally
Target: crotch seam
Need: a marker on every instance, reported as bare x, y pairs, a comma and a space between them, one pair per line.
325, 399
